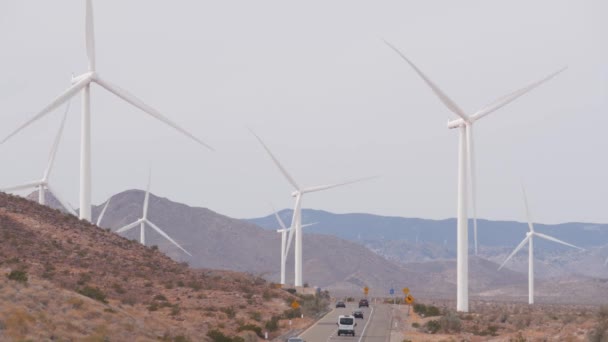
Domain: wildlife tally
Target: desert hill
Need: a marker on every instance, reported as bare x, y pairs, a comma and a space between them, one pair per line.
138, 291
344, 267
405, 240
218, 241
364, 227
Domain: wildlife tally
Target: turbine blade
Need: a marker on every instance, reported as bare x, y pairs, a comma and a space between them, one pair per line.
503, 101
63, 202
56, 143
281, 223
21, 186
550, 238
329, 186
606, 262
294, 220
442, 96
291, 228
123, 94
103, 211
129, 226
276, 161
90, 34
160, 231
520, 246
473, 180
147, 197
58, 101
528, 216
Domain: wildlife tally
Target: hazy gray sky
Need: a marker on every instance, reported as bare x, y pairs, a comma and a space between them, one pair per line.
316, 82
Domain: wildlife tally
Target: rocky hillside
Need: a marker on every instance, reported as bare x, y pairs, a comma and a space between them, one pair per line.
218, 241
65, 278
345, 267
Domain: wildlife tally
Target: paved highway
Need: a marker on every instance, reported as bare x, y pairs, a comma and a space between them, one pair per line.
375, 327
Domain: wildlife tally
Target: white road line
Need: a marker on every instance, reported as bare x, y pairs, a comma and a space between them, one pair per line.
365, 327
312, 326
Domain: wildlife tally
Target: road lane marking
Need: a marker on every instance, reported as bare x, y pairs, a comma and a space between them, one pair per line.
314, 325
371, 314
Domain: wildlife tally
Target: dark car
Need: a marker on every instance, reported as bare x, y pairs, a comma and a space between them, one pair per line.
340, 305
358, 314
364, 302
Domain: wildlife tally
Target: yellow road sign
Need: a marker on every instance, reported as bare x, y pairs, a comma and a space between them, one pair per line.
295, 305
366, 290
409, 299
406, 290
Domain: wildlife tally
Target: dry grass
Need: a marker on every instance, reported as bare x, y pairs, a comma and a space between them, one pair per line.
148, 295
500, 321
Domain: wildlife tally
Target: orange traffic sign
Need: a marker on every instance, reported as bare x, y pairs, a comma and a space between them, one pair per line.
409, 299
295, 305
406, 290
366, 290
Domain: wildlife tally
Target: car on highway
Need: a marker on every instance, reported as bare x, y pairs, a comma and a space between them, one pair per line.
295, 339
364, 302
358, 314
346, 325
340, 304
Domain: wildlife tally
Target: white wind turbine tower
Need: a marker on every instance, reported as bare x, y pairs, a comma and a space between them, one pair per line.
43, 185
466, 162
530, 241
144, 220
296, 221
284, 247
83, 83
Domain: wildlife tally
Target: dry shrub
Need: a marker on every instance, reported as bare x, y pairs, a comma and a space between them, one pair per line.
17, 324
600, 331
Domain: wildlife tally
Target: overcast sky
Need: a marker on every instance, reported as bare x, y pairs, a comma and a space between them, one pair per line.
316, 82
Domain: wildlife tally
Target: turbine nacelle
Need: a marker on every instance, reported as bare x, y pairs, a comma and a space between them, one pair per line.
91, 75
296, 193
456, 123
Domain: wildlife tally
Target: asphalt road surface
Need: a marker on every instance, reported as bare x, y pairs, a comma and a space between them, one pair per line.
374, 327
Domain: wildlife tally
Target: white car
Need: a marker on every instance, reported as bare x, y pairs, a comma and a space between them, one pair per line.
346, 325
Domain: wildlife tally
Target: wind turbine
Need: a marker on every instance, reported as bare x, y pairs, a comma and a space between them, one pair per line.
82, 84
144, 220
43, 185
296, 221
284, 247
606, 262
529, 239
466, 162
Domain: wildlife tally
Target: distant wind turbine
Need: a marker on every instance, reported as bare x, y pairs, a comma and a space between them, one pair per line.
606, 262
144, 220
530, 241
466, 170
296, 221
284, 247
43, 185
83, 83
